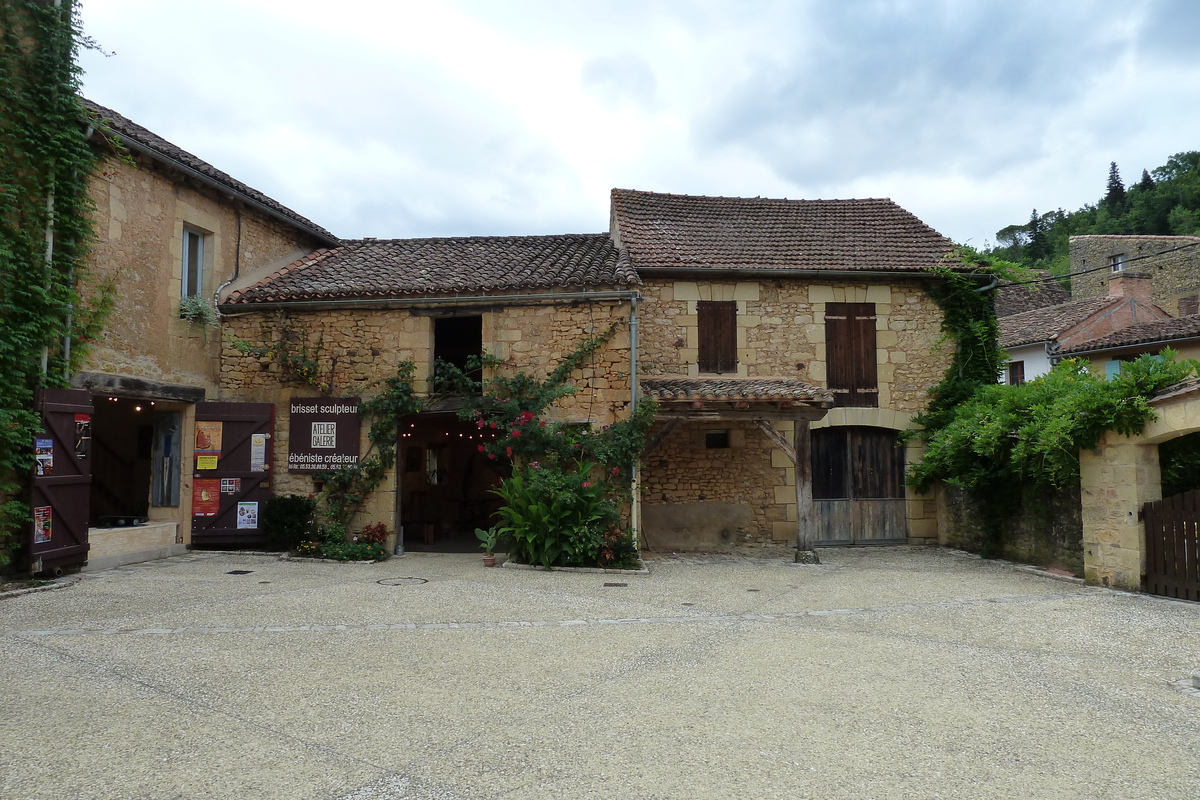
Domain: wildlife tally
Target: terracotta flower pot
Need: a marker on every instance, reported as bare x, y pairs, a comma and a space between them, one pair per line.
489, 559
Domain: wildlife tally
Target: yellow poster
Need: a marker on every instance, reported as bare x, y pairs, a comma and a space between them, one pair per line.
208, 443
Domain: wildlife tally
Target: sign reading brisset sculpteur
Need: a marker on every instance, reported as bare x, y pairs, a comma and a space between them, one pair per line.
322, 433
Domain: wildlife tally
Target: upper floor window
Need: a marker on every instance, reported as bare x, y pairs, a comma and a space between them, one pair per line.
1117, 262
716, 324
193, 262
1016, 373
456, 340
850, 358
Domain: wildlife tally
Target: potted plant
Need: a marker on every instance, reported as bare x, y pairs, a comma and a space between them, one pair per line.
487, 540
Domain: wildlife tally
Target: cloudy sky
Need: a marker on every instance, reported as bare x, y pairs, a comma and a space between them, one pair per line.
398, 118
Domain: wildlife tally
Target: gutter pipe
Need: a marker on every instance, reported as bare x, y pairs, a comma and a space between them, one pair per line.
635, 508
417, 302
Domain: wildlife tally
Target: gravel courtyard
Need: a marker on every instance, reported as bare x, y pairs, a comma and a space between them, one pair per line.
880, 673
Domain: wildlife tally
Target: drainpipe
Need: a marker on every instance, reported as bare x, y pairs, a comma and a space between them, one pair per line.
635, 510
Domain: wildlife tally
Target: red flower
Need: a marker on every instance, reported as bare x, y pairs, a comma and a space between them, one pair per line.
542, 423
492, 456
586, 484
616, 470
509, 451
516, 433
492, 425
479, 424
482, 448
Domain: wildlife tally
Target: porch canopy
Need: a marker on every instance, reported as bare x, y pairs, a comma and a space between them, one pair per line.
761, 401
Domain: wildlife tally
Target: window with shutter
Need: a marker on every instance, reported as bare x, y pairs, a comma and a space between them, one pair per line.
850, 362
716, 323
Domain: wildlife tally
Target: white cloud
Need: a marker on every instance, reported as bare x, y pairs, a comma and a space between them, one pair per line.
435, 118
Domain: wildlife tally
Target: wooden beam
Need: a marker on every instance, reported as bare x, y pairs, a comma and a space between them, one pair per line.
661, 436
805, 509
778, 438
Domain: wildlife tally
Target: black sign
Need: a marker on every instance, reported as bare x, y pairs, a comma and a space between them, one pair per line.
323, 433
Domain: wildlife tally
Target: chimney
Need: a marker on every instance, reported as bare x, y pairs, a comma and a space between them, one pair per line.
1132, 285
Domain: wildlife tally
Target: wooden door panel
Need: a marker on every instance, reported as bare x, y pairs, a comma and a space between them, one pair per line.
61, 486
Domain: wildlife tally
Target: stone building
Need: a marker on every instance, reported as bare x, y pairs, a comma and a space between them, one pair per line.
1171, 262
745, 319
169, 227
788, 344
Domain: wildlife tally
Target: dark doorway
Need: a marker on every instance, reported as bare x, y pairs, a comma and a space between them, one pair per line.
445, 483
122, 441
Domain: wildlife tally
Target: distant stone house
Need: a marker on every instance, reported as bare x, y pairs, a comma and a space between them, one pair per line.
168, 226
1034, 340
1107, 353
1172, 263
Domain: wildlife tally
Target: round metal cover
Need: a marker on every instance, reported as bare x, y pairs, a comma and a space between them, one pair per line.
401, 581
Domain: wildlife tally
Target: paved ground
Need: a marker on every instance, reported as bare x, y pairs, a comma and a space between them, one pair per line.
878, 674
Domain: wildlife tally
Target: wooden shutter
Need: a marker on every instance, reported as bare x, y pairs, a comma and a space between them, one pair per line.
716, 323
61, 486
876, 463
850, 361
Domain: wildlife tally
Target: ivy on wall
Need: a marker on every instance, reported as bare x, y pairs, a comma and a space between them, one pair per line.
45, 233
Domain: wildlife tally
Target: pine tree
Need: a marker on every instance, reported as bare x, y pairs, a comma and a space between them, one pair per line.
1114, 199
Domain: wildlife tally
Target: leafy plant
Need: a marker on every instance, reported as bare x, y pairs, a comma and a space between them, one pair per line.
288, 520
488, 538
43, 198
556, 517
195, 308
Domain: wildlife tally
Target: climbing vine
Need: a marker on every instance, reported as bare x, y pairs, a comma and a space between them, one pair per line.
45, 233
299, 359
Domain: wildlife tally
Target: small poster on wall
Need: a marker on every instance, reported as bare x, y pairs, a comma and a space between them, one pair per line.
247, 515
258, 452
44, 450
208, 443
83, 436
206, 497
231, 485
43, 523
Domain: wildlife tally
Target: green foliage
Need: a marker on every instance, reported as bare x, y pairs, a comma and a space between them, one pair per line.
1164, 202
43, 189
561, 500
1009, 436
488, 538
556, 517
288, 520
968, 320
196, 309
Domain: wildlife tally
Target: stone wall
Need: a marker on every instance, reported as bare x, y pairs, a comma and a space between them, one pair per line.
1048, 532
729, 496
1175, 275
781, 332
356, 348
141, 213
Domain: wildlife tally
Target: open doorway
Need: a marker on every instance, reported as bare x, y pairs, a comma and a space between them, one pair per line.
122, 438
445, 483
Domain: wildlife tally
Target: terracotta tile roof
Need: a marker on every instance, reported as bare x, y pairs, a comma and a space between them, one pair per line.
1016, 298
1181, 388
393, 267
670, 231
761, 389
111, 122
1161, 330
1045, 324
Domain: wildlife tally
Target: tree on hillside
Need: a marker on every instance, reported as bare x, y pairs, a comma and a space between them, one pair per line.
1114, 197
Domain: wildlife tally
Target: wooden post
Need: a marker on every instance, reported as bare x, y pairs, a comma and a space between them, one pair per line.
805, 524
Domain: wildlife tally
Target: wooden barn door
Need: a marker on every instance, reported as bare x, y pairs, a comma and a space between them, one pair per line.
231, 477
62, 480
858, 486
1173, 546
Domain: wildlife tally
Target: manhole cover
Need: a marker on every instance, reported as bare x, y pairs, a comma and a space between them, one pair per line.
616, 584
401, 581
239, 572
